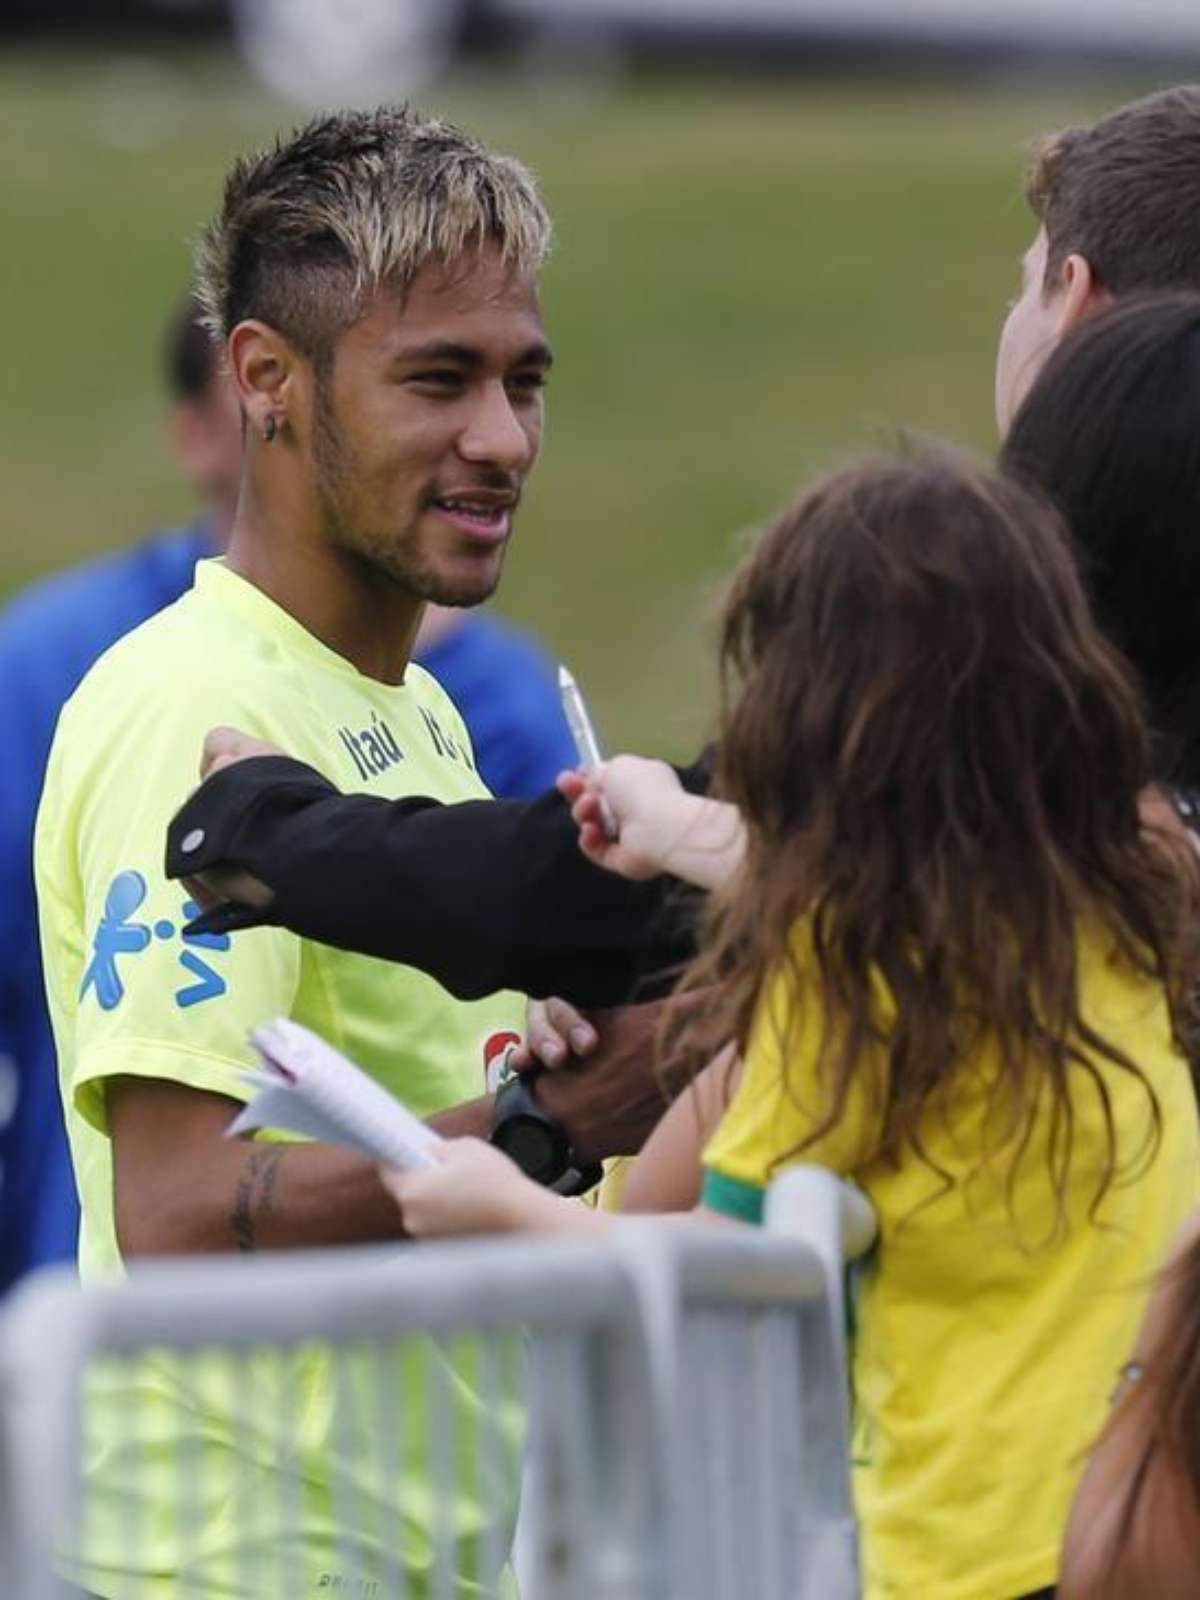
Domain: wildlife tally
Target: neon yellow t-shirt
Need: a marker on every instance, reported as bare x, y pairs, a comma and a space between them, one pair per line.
984, 1355
130, 995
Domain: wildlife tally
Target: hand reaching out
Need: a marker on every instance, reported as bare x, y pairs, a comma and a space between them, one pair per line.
644, 798
660, 826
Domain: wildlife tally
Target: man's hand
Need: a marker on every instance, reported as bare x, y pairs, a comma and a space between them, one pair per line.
554, 1032
224, 746
609, 1101
219, 885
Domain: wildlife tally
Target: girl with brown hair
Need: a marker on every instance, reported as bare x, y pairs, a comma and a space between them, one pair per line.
947, 956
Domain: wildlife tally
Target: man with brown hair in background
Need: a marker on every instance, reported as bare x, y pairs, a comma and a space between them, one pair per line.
1118, 212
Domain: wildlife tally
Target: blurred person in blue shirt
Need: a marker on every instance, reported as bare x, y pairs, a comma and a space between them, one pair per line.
506, 687
51, 633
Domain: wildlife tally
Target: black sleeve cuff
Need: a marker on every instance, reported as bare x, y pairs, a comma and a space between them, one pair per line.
213, 827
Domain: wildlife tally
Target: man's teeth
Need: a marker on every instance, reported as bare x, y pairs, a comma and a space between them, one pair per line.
465, 508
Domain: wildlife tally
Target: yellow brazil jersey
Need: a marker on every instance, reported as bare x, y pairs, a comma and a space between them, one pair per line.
985, 1348
131, 994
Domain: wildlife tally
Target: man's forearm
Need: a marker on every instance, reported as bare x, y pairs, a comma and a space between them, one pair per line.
472, 1119
288, 1196
259, 1196
304, 1196
218, 1196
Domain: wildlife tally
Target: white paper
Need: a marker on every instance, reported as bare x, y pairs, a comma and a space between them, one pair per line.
305, 1086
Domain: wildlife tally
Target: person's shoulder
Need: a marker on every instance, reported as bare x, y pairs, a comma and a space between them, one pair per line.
74, 615
169, 668
492, 644
147, 646
108, 585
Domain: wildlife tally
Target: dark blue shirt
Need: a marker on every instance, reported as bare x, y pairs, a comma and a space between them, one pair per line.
50, 635
507, 690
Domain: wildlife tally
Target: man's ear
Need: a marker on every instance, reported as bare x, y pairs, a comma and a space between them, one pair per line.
264, 369
1082, 293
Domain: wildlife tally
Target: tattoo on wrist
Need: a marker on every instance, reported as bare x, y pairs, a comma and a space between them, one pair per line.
254, 1200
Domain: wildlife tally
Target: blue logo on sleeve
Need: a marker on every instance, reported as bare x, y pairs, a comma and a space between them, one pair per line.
119, 936
116, 936
209, 982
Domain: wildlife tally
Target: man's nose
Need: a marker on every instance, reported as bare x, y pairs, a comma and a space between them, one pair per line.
496, 432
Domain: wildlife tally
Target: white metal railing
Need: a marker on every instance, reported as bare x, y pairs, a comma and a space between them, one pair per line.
679, 1396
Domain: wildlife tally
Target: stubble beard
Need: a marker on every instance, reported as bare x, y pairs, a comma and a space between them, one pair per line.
381, 555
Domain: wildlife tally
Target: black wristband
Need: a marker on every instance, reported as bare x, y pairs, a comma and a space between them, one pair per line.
536, 1141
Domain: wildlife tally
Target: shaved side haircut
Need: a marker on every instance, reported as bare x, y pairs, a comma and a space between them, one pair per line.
352, 204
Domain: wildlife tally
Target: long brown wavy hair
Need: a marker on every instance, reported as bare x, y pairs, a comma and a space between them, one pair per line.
938, 760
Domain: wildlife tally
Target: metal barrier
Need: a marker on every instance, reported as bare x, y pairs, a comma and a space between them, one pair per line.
396, 1476
352, 1422
750, 1336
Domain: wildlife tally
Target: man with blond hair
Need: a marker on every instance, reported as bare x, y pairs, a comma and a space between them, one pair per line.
373, 283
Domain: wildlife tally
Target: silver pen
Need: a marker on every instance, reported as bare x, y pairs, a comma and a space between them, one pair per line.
587, 746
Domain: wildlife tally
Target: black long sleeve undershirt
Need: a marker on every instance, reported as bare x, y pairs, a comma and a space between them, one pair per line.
482, 895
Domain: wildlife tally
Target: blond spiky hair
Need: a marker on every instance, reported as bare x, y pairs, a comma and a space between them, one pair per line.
350, 204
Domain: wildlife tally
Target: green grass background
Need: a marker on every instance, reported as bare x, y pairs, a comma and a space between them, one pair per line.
753, 281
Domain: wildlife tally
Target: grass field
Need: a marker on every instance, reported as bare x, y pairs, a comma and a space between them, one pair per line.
752, 281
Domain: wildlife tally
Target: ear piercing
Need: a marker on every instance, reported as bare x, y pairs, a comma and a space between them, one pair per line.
270, 428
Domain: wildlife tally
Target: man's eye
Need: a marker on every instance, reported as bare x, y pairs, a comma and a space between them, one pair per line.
440, 377
527, 382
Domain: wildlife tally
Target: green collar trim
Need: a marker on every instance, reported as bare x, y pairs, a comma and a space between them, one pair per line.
732, 1197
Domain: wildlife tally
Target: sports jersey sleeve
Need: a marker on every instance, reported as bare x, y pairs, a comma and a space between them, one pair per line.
131, 993
779, 1102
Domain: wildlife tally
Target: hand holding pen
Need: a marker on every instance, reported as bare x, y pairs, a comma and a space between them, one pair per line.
587, 746
638, 796
660, 826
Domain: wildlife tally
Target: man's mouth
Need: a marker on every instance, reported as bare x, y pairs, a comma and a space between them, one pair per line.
485, 515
